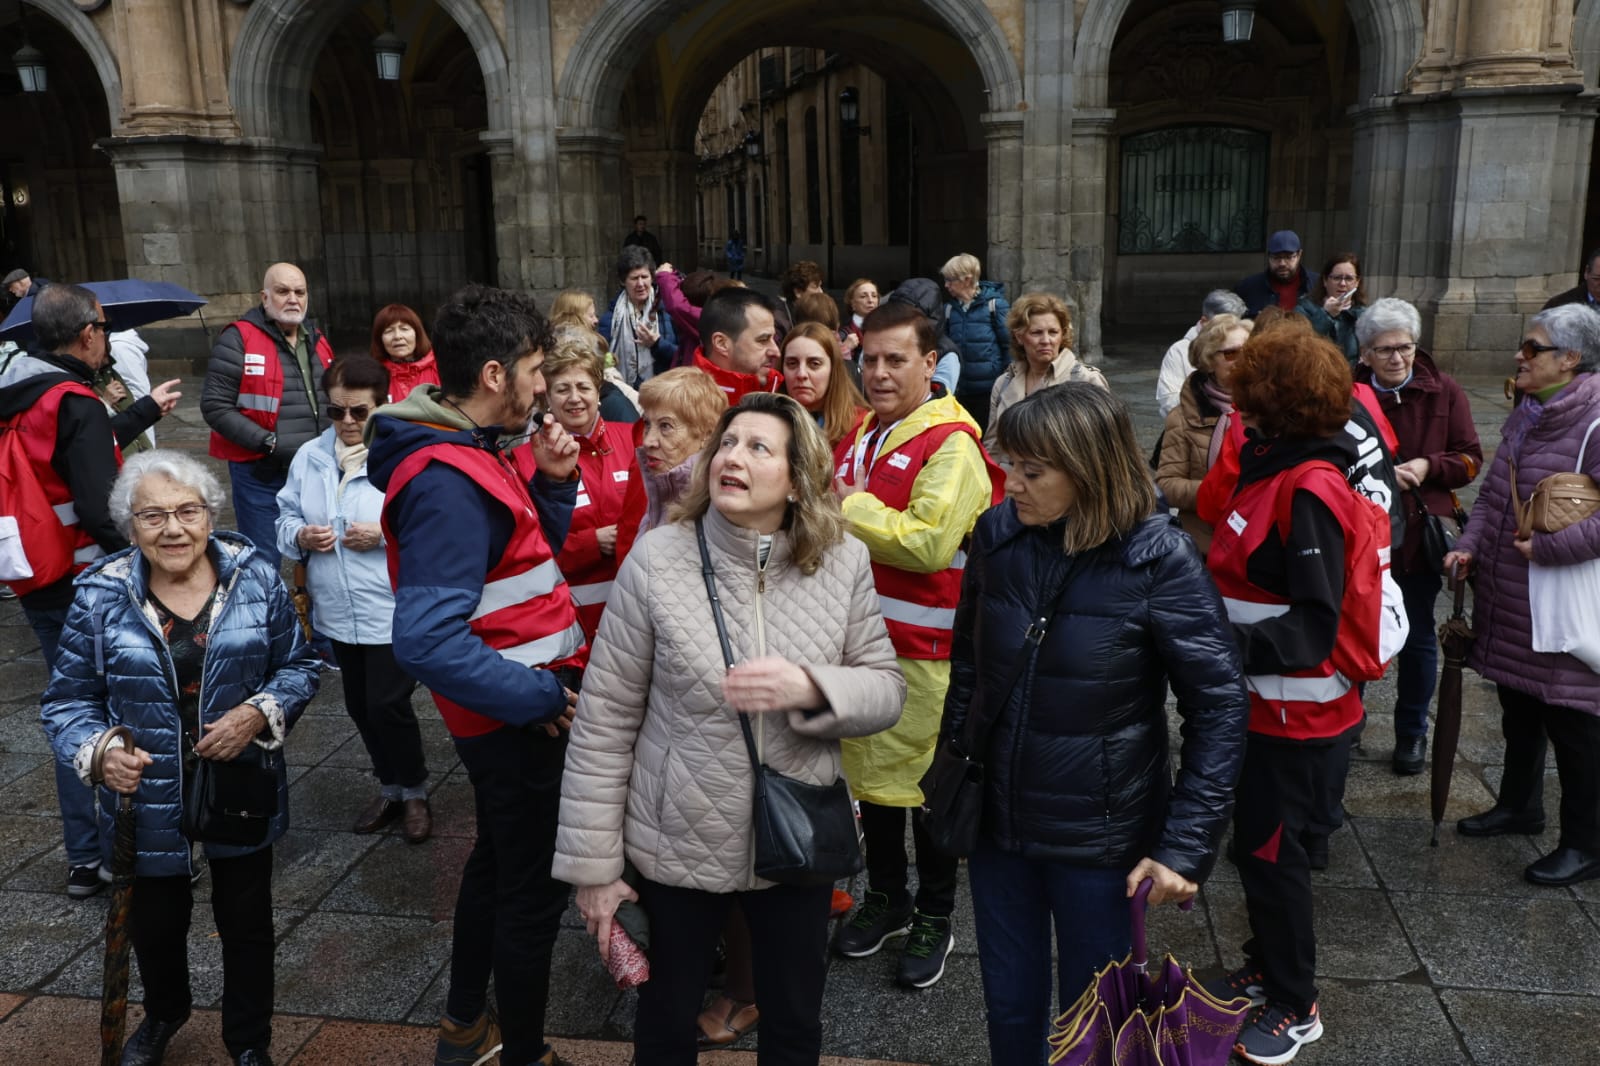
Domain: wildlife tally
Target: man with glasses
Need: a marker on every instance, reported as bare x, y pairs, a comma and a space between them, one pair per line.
260, 399
72, 445
1587, 291
1283, 282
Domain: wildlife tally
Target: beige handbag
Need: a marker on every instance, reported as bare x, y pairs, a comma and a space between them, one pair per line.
1559, 500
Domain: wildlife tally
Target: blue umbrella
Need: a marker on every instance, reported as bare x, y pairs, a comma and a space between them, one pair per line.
128, 304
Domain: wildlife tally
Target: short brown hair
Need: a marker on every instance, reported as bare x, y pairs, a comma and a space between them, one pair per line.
570, 353
387, 317
1029, 305
1292, 384
816, 307
894, 315
688, 393
800, 277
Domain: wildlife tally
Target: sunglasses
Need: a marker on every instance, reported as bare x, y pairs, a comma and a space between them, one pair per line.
358, 412
1531, 351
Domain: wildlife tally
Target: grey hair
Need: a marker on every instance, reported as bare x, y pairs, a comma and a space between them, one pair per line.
1222, 302
1387, 315
59, 315
633, 257
164, 462
1573, 328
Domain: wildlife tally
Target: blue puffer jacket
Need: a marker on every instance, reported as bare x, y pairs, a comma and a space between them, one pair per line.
114, 669
1077, 763
983, 338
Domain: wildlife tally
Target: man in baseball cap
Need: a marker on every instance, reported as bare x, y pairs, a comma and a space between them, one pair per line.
1283, 282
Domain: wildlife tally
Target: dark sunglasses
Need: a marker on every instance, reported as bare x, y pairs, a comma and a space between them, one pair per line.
358, 412
1530, 350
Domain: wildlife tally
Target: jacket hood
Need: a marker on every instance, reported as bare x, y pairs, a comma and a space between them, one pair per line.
396, 430
1263, 456
31, 375
127, 569
990, 290
921, 293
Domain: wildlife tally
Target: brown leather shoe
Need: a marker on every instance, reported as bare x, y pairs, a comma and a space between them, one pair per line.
417, 821
726, 1020
379, 813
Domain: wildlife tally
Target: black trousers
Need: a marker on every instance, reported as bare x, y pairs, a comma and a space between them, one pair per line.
789, 934
1526, 722
884, 830
241, 903
1282, 789
377, 696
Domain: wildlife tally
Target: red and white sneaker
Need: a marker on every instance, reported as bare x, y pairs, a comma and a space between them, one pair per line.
1276, 1034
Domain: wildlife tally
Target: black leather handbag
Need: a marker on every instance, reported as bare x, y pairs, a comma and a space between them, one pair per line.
805, 834
229, 802
1437, 537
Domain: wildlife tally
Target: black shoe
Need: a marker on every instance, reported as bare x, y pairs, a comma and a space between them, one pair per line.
149, 1042
84, 881
1316, 846
1564, 866
1497, 821
927, 948
874, 922
1409, 753
253, 1057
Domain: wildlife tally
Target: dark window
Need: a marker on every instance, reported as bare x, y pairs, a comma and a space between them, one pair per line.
813, 181
1193, 189
900, 150
771, 76
799, 63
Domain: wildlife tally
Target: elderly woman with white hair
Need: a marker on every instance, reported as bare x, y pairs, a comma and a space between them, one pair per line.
1439, 453
1543, 695
189, 640
976, 315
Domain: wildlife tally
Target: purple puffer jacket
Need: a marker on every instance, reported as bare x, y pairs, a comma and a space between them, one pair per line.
1544, 440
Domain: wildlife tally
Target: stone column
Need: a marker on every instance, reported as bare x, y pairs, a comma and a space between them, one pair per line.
1003, 259
1088, 203
590, 162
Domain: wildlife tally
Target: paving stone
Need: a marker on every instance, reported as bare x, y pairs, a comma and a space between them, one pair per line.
1405, 1021
361, 966
1358, 936
34, 793
394, 877
14, 764
1372, 790
1519, 945
588, 995
1519, 1028
43, 931
327, 797
451, 800
944, 1023
1461, 865
313, 739
23, 678
438, 750
21, 730
307, 864
22, 839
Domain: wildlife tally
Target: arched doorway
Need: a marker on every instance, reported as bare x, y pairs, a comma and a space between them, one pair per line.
60, 217
637, 79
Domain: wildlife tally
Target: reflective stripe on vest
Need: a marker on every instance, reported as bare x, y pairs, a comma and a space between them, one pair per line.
1249, 612
518, 588
546, 650
38, 427
916, 614
1281, 688
253, 402
589, 595
87, 554
66, 513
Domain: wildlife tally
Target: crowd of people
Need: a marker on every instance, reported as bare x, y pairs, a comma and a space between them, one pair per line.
653, 563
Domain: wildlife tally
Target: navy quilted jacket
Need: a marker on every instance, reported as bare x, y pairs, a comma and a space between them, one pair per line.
983, 338
1077, 764
114, 669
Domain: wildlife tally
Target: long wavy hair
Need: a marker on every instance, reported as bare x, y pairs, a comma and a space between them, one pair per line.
844, 403
814, 522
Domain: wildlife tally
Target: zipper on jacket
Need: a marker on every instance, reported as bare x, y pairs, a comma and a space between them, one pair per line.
761, 641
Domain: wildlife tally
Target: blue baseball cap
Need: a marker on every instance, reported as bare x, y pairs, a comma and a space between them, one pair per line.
1285, 240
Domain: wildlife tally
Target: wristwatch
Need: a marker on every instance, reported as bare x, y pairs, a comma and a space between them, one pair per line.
271, 443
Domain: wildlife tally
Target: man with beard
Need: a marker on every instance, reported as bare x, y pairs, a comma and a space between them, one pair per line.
260, 399
1283, 282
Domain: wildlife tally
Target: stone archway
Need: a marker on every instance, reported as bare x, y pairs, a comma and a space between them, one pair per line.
75, 22
275, 56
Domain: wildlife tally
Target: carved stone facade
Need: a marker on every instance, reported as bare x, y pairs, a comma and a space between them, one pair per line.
1449, 142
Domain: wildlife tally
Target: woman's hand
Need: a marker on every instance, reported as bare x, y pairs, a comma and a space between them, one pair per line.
606, 538
1525, 546
362, 536
770, 683
598, 904
1412, 473
849, 343
121, 769
1169, 887
1457, 564
647, 335
1334, 305
229, 735
315, 538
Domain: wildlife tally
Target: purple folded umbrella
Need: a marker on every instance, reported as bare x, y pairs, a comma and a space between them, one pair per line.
1131, 1016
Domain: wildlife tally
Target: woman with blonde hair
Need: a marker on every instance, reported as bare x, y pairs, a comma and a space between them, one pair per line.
658, 768
1040, 326
679, 410
1197, 430
815, 374
576, 308
976, 313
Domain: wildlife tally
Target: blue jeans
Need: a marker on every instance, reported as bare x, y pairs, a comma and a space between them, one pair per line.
1418, 670
255, 508
80, 831
1014, 901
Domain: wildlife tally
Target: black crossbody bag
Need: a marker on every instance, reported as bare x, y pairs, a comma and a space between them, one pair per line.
804, 834
230, 802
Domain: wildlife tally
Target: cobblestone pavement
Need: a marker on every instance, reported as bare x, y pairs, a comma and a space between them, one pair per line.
1429, 956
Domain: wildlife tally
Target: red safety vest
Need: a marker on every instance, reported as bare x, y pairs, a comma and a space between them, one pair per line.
36, 429
604, 459
525, 611
1307, 704
919, 610
260, 387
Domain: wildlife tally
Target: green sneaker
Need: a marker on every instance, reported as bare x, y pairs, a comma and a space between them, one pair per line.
874, 923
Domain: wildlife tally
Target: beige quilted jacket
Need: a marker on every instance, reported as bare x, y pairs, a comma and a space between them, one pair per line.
657, 766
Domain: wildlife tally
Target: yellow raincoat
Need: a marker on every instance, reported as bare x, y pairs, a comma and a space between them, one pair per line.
946, 499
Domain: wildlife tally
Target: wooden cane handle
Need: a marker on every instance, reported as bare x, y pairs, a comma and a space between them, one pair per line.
97, 761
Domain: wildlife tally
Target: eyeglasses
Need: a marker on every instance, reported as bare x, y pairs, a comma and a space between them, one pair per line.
1390, 351
1344, 279
358, 412
190, 514
1531, 351
102, 325
1282, 257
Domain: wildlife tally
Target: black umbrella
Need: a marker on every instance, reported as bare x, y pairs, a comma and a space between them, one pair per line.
114, 990
128, 304
1455, 640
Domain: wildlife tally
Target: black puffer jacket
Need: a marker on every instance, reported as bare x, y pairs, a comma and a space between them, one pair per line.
300, 412
1078, 767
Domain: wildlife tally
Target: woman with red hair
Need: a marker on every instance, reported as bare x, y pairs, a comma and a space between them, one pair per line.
401, 344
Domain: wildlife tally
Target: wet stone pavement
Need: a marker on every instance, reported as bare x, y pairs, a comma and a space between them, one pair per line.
1428, 956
